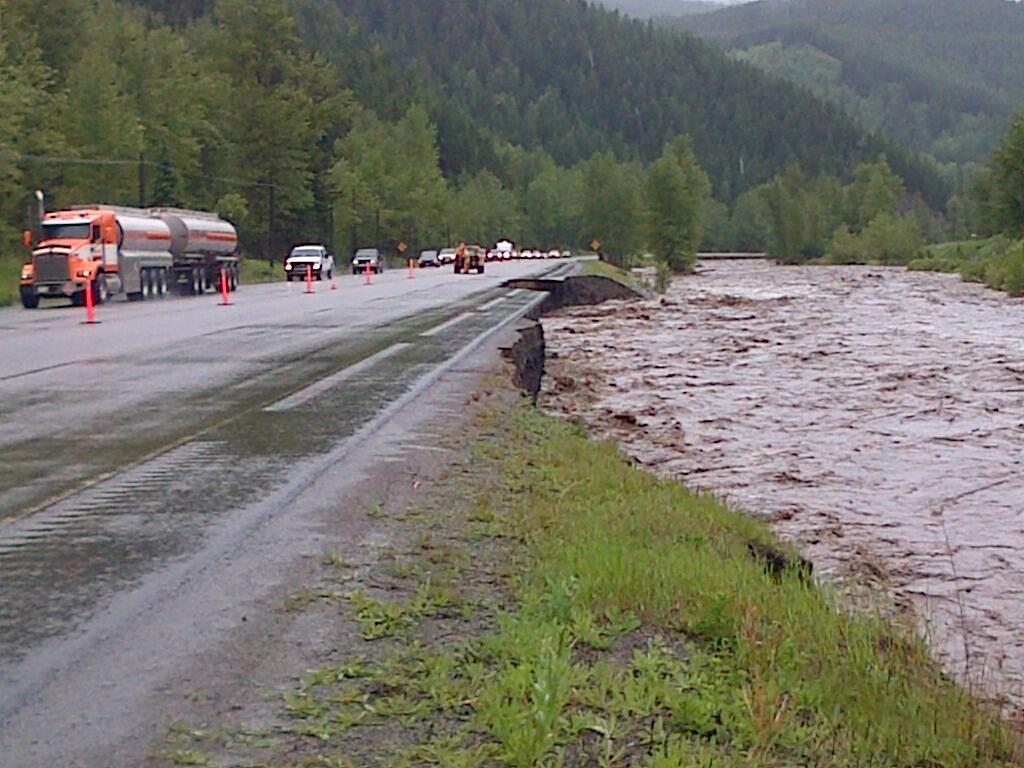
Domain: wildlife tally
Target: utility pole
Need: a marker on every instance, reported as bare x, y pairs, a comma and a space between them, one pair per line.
270, 225
355, 231
330, 227
142, 179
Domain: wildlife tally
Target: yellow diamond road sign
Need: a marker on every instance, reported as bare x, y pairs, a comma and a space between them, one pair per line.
595, 245
402, 247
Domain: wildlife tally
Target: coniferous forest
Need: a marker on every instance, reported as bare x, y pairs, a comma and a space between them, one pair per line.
369, 122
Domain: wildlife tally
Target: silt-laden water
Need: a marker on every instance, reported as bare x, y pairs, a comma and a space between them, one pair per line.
874, 416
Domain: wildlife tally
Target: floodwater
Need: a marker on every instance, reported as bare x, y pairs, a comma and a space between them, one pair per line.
874, 416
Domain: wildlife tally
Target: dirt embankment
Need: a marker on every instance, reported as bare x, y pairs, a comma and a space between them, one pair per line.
876, 417
528, 353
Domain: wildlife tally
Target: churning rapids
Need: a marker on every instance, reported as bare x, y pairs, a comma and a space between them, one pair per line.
874, 416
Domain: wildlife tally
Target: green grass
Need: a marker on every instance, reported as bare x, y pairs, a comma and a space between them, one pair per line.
642, 631
10, 272
997, 262
606, 269
260, 271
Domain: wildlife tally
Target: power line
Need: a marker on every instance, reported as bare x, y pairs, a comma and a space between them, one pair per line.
134, 163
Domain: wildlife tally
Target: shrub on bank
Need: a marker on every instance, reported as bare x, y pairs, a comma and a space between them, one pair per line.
998, 262
886, 239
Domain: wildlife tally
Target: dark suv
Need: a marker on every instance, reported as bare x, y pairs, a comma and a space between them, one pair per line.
367, 257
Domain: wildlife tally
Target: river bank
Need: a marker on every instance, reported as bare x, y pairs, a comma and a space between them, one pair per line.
542, 601
872, 416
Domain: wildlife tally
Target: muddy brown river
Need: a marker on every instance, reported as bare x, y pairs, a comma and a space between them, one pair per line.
874, 416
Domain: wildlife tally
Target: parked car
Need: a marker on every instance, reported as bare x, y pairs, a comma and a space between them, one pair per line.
429, 259
309, 259
446, 256
554, 253
367, 256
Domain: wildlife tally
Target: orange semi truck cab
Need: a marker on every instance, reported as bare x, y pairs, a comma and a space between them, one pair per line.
138, 252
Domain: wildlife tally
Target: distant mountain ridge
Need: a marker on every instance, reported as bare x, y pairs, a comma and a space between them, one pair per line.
653, 8
943, 76
573, 79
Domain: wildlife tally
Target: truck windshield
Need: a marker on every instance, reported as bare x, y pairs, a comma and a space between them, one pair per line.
365, 252
59, 231
305, 252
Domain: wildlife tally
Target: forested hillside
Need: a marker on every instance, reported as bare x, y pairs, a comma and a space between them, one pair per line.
942, 76
643, 9
576, 80
370, 121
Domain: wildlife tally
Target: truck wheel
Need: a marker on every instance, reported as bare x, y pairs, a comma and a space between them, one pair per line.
146, 285
233, 278
161, 283
29, 300
100, 290
197, 281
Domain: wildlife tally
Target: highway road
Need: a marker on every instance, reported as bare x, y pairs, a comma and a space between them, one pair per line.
140, 453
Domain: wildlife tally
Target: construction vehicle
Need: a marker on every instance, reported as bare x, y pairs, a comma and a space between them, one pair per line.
141, 253
470, 258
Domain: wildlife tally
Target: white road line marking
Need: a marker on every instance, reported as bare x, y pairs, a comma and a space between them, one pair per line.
490, 304
303, 396
446, 325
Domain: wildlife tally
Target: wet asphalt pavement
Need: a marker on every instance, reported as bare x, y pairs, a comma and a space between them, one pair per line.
874, 416
132, 448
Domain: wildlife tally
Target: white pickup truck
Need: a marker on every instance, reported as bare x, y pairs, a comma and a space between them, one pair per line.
309, 258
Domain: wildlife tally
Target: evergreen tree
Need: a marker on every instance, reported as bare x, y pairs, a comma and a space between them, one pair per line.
1006, 182
101, 123
875, 189
387, 182
675, 193
483, 211
25, 105
612, 208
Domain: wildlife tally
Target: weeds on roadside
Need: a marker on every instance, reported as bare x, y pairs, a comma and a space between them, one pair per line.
643, 632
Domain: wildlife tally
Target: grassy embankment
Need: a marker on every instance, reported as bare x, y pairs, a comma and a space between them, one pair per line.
624, 276
259, 271
631, 625
10, 271
997, 262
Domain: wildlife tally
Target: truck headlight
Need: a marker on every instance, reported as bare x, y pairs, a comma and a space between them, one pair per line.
26, 272
287, 266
